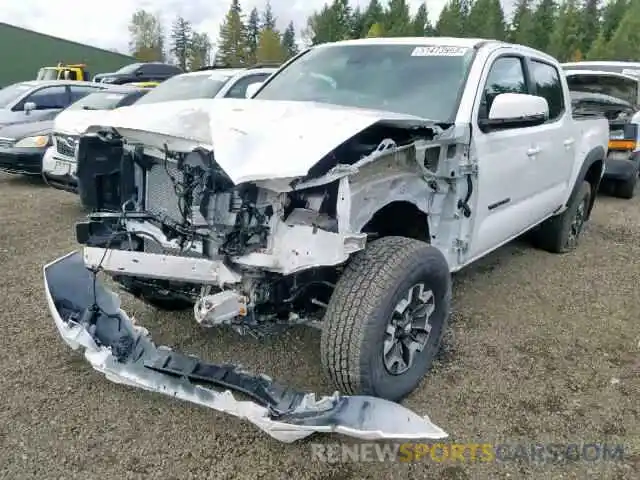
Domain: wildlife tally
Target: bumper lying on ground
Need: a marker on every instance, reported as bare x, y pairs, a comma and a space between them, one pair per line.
114, 345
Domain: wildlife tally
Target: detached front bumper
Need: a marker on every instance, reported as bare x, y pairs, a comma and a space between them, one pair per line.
124, 352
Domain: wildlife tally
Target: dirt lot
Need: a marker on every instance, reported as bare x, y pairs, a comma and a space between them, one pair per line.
543, 348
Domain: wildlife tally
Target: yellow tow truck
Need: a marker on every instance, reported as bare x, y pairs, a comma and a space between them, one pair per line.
76, 71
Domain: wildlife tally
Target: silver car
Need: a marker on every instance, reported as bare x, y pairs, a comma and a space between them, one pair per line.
33, 101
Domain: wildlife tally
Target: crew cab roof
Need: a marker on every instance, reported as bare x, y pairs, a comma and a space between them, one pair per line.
476, 43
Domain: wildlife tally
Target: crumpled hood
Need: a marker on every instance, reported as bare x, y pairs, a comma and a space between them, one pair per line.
74, 122
251, 139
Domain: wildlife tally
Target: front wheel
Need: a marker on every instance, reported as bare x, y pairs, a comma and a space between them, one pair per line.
386, 318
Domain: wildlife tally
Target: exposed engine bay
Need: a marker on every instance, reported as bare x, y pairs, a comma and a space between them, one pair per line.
264, 252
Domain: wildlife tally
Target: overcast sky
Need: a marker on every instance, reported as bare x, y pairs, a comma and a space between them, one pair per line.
86, 22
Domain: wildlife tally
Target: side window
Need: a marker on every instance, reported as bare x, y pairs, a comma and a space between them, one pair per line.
239, 89
78, 92
506, 76
49, 98
129, 99
548, 85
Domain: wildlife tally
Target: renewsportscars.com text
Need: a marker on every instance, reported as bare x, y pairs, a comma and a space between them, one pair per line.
468, 452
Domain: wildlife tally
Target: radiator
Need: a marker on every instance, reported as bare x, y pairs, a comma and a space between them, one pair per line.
161, 198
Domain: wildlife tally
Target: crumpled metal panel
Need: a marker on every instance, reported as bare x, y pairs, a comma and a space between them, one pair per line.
256, 140
124, 352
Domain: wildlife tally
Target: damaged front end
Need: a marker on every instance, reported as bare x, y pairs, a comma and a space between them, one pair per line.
88, 316
250, 235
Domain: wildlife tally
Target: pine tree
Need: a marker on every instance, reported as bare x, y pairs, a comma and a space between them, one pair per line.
612, 15
289, 41
521, 28
397, 19
268, 20
199, 51
375, 31
452, 19
567, 36
253, 34
625, 42
542, 24
486, 20
374, 13
181, 36
599, 49
232, 45
590, 23
269, 47
420, 24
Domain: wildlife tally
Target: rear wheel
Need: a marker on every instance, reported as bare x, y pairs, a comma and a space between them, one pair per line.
385, 320
561, 234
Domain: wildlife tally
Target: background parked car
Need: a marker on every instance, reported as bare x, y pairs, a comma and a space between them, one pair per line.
58, 165
23, 145
27, 111
140, 72
210, 83
40, 100
616, 96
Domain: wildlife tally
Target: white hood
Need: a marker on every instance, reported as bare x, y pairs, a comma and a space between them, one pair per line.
75, 122
251, 139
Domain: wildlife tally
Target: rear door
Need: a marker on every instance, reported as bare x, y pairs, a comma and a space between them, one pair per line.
553, 165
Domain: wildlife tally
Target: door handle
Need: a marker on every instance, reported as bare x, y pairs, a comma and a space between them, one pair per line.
568, 142
532, 152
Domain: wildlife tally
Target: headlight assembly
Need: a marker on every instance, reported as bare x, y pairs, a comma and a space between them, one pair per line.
36, 141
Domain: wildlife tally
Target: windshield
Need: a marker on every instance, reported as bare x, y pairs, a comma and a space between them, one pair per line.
610, 85
418, 80
185, 87
129, 68
11, 93
47, 74
98, 101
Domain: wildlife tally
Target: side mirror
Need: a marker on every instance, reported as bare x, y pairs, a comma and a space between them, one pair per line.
29, 107
138, 73
513, 110
252, 89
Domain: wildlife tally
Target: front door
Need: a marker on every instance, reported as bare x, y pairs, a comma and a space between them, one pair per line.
505, 159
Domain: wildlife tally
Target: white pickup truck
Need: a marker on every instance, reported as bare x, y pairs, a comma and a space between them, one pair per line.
359, 177
613, 90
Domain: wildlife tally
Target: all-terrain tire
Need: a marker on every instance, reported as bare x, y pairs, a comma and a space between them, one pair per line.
626, 188
555, 234
361, 306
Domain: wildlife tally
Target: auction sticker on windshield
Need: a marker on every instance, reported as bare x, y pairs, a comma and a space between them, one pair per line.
439, 51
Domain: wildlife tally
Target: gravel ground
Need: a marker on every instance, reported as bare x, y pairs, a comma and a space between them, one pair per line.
542, 347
